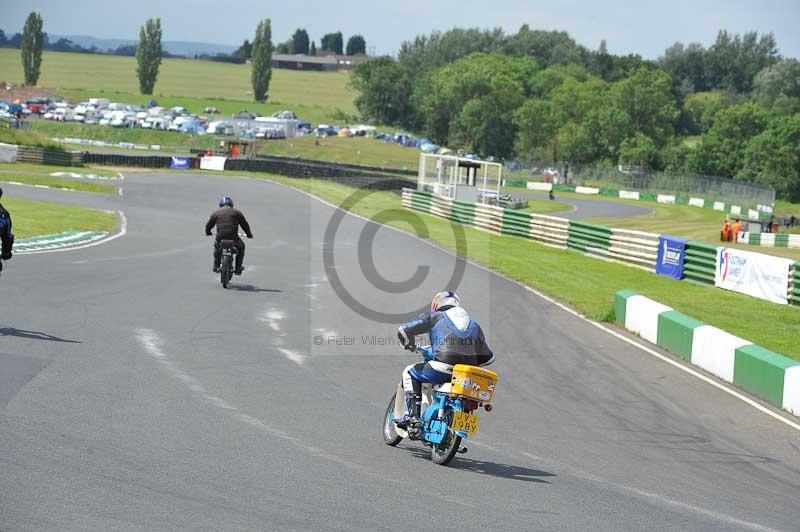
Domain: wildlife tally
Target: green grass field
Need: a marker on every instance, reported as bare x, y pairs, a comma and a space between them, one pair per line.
35, 218
353, 150
587, 284
191, 83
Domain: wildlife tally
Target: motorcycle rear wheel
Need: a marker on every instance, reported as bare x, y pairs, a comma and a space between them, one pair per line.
444, 452
225, 272
390, 436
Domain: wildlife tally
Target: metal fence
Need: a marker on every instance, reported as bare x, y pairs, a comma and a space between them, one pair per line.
655, 182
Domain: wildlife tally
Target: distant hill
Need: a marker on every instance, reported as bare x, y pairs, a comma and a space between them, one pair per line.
174, 47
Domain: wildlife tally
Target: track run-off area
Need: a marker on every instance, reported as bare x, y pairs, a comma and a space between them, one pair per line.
138, 395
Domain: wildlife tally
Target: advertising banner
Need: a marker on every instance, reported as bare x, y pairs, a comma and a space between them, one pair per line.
755, 274
213, 163
671, 256
181, 163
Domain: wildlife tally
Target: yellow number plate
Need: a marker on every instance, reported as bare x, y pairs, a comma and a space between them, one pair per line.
466, 422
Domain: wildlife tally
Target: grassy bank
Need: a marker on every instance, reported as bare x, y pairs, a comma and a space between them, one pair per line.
27, 138
588, 285
34, 218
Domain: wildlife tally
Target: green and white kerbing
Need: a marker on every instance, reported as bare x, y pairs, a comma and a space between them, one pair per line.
770, 376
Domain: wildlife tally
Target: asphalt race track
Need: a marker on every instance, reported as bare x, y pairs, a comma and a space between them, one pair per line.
587, 208
138, 395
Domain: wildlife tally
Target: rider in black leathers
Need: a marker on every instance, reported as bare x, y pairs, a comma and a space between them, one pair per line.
227, 221
6, 236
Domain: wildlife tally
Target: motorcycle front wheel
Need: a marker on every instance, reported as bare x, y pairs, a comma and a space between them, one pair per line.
442, 453
390, 436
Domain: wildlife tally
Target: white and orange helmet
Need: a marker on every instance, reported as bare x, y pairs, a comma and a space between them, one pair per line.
445, 299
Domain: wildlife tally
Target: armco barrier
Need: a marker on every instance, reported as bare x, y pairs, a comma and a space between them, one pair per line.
288, 167
770, 376
701, 262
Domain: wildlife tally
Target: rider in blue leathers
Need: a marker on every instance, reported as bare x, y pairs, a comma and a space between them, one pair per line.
455, 339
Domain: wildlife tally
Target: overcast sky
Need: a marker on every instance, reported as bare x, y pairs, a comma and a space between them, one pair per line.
645, 27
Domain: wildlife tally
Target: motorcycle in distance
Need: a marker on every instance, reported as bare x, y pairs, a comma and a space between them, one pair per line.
447, 410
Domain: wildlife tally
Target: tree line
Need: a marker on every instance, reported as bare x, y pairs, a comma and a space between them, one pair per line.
731, 109
299, 43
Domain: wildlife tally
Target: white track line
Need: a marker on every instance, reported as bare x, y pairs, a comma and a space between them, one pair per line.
787, 421
17, 183
122, 231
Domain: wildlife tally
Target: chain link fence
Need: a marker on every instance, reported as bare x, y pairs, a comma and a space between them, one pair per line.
651, 181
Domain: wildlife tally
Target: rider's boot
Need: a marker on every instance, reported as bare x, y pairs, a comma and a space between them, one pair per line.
412, 411
215, 269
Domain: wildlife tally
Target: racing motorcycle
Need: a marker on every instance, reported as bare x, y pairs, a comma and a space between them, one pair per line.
226, 266
448, 410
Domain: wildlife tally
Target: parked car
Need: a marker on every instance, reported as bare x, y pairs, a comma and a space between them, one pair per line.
324, 130
37, 105
220, 128
211, 110
286, 115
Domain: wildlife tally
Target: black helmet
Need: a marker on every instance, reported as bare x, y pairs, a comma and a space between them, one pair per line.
226, 201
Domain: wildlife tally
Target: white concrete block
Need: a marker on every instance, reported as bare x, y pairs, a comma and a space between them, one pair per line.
791, 390
641, 316
666, 198
714, 350
697, 202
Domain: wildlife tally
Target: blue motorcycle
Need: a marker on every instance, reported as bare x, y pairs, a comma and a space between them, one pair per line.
447, 410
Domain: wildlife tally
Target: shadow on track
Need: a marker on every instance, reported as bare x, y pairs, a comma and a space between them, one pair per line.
493, 469
251, 288
33, 335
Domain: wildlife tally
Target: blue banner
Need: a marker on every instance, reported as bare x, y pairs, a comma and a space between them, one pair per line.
671, 256
181, 163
